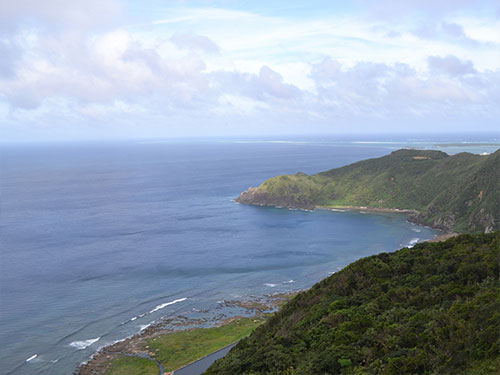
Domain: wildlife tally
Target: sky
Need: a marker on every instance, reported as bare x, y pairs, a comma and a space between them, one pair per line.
113, 69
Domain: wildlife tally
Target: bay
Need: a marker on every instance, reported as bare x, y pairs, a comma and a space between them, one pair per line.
99, 240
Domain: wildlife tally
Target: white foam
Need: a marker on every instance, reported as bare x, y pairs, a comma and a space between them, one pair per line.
80, 345
270, 285
163, 305
134, 318
143, 327
273, 141
32, 357
413, 242
374, 142
288, 282
416, 230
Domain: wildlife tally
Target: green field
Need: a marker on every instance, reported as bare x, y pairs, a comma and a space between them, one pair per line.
133, 366
177, 349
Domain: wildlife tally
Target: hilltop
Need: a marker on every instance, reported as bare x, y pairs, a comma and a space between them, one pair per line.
432, 309
453, 193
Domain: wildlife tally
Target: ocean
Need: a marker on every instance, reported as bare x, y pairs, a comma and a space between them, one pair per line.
99, 240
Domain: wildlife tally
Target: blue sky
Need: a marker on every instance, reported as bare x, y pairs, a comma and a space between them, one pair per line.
98, 69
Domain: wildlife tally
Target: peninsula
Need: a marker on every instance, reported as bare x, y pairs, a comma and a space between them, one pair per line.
453, 193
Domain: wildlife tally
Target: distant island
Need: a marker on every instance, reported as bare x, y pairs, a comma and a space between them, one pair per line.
456, 193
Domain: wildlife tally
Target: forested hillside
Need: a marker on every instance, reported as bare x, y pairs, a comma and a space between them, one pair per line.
431, 309
455, 193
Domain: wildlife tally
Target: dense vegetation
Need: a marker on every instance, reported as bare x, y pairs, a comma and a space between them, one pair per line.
432, 309
458, 192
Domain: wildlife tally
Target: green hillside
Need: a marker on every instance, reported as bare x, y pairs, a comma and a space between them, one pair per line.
459, 192
432, 309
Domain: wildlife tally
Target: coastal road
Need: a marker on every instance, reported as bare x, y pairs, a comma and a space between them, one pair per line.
199, 366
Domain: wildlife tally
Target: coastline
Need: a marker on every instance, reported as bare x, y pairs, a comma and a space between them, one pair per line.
413, 216
256, 197
443, 236
138, 345
134, 346
368, 209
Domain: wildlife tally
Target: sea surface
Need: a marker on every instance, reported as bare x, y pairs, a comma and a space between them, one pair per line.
98, 240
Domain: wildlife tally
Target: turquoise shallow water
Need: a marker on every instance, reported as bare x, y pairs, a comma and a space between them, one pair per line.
99, 240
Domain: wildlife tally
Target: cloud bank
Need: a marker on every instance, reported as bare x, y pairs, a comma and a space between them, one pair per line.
90, 70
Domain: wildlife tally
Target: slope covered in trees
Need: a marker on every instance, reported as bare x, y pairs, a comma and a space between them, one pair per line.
432, 309
458, 192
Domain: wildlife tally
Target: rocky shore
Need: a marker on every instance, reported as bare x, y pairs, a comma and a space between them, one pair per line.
137, 345
260, 197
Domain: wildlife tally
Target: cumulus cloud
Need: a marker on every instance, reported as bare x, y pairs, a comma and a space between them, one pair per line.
450, 31
450, 65
453, 29
271, 83
75, 68
114, 66
10, 55
57, 14
119, 69
195, 43
388, 91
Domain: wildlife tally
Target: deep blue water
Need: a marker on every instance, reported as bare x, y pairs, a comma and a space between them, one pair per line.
99, 240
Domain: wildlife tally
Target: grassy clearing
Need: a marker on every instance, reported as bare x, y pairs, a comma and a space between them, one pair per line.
177, 349
133, 366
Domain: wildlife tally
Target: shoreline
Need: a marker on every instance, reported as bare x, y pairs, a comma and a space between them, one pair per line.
137, 345
412, 215
368, 209
442, 236
131, 346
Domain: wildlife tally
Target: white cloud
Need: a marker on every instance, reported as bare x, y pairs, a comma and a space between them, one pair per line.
195, 42
54, 15
450, 65
214, 65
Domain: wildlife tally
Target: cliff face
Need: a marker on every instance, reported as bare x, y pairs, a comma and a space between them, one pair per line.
260, 197
459, 192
